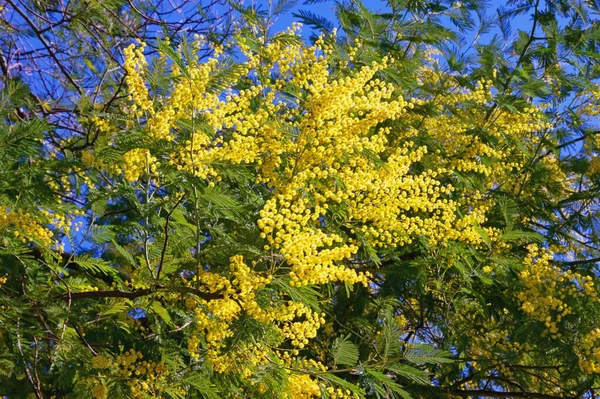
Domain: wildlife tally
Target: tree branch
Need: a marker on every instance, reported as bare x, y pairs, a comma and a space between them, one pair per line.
84, 341
500, 394
50, 50
35, 387
73, 296
576, 262
164, 249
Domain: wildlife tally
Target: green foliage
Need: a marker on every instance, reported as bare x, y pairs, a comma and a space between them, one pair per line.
100, 276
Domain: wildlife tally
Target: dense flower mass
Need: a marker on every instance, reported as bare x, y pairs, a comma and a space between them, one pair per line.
25, 226
339, 156
367, 214
327, 147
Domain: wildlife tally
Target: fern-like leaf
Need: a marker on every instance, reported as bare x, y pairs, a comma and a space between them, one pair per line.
345, 352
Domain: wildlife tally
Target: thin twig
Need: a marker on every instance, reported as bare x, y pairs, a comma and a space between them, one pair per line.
138, 293
36, 389
164, 250
82, 338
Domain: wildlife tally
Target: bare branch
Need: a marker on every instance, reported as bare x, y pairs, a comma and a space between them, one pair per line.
74, 296
164, 249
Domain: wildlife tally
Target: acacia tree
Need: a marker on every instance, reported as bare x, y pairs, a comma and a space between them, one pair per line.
70, 53
372, 215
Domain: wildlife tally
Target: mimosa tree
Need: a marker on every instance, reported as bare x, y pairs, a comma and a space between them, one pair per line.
364, 216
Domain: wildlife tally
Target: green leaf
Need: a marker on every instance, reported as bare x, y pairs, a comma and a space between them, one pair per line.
304, 294
283, 6
6, 367
95, 267
344, 351
90, 65
205, 387
218, 202
426, 354
124, 253
483, 234
318, 22
392, 388
518, 235
174, 56
345, 385
117, 307
410, 373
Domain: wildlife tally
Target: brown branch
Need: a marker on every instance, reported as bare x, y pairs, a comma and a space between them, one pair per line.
141, 14
51, 52
36, 389
137, 293
180, 328
164, 249
4, 67
521, 58
144, 338
576, 262
36, 360
576, 140
84, 341
500, 394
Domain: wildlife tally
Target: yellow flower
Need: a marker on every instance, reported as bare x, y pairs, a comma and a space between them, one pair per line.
99, 392
100, 362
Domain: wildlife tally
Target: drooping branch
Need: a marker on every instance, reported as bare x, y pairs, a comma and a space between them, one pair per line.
137, 293
467, 393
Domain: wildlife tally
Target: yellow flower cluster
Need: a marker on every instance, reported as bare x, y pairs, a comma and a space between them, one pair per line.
591, 102
317, 150
310, 174
99, 392
338, 393
595, 164
137, 162
589, 352
295, 322
25, 226
214, 317
100, 362
547, 288
338, 154
464, 151
89, 159
303, 387
58, 220
145, 378
298, 332
101, 124
134, 64
454, 127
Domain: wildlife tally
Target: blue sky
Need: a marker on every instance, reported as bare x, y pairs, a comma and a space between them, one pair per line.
324, 8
